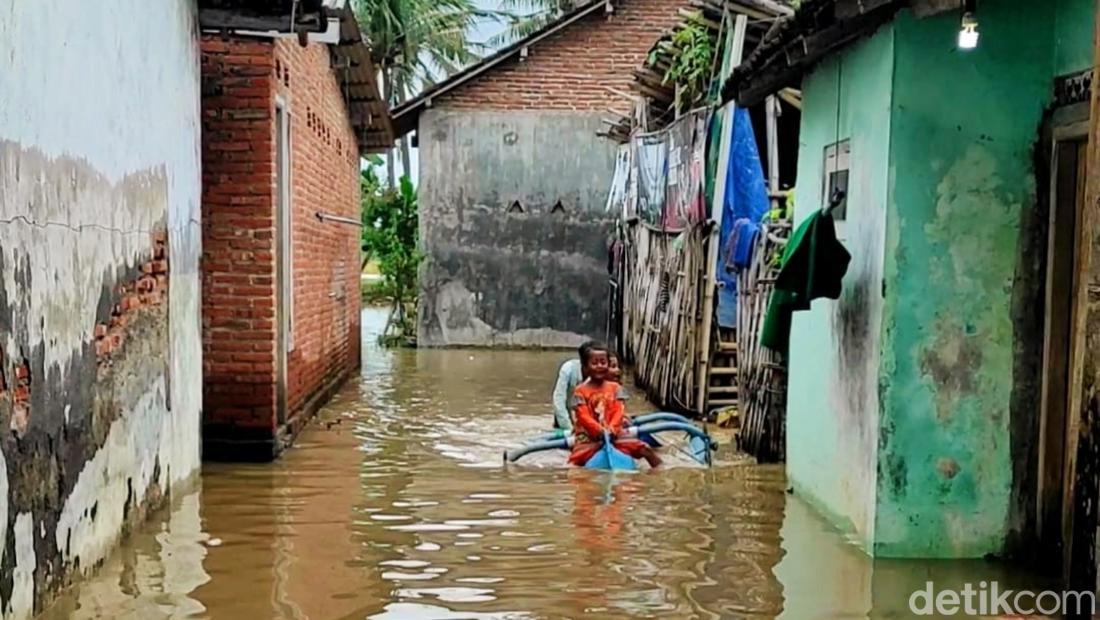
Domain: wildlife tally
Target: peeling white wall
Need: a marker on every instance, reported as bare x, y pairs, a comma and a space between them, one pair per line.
99, 143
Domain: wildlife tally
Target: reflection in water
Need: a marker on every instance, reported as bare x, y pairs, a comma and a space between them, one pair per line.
394, 505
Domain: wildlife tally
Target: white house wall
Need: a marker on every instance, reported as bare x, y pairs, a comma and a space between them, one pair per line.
99, 163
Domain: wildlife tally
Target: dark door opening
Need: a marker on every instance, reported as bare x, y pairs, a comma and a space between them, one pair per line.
1058, 426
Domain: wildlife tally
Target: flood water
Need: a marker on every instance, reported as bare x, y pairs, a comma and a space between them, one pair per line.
394, 504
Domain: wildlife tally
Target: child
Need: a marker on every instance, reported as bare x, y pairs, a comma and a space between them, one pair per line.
614, 372
598, 406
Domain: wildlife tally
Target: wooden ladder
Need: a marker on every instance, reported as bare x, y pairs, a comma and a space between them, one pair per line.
722, 379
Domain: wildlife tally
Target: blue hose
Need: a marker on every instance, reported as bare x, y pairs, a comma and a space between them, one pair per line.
664, 427
661, 416
700, 443
550, 436
644, 428
539, 446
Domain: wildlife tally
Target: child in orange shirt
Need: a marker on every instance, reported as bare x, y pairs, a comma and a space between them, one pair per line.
598, 406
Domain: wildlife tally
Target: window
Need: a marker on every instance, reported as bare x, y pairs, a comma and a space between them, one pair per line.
836, 176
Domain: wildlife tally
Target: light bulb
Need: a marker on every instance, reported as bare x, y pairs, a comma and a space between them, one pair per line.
968, 34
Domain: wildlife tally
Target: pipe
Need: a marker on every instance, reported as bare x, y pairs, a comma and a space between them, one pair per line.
664, 427
660, 416
321, 215
550, 436
663, 423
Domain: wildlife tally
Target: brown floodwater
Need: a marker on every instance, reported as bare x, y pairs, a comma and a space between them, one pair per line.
394, 504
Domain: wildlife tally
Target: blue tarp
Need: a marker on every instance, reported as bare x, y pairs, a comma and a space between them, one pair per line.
746, 198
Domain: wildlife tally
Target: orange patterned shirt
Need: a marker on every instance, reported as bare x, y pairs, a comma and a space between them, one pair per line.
598, 407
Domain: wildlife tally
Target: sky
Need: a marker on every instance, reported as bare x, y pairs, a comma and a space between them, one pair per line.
481, 33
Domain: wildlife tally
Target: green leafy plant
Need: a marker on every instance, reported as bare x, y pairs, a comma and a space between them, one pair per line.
391, 237
692, 63
370, 185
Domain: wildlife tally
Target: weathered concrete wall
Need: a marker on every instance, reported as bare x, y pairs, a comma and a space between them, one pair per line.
100, 371
832, 408
527, 132
497, 278
950, 320
963, 181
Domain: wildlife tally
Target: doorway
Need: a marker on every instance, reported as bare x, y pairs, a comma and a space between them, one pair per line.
284, 295
1058, 421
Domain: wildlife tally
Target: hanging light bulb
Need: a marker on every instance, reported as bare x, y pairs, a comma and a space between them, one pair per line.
968, 34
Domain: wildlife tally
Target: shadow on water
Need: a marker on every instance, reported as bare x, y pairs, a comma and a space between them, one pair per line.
394, 505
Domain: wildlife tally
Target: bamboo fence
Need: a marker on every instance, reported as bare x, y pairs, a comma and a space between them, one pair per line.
663, 276
762, 373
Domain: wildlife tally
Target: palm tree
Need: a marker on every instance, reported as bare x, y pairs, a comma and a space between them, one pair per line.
415, 42
525, 17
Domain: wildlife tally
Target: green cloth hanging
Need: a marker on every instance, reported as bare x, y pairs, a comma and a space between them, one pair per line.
814, 263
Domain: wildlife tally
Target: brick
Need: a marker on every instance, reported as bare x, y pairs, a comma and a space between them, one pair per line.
239, 260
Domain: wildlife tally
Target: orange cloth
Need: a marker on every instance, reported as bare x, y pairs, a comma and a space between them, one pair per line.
631, 447
596, 408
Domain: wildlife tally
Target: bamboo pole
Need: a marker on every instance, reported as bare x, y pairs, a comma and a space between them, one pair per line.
772, 114
710, 282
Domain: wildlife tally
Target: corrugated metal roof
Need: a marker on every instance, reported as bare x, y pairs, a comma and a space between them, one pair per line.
369, 114
817, 29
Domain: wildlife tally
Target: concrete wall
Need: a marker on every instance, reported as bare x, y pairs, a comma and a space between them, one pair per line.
963, 182
832, 408
495, 278
1074, 22
526, 131
242, 80
913, 402
100, 371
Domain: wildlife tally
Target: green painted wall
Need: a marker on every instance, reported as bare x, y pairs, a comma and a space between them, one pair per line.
900, 404
1073, 32
833, 394
961, 179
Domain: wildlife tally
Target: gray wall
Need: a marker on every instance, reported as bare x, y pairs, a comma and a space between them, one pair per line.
494, 278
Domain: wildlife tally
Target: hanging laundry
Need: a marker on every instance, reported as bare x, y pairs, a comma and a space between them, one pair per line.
679, 191
746, 197
696, 205
651, 157
620, 183
742, 242
814, 264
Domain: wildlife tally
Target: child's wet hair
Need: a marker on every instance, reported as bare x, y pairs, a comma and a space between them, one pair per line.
582, 351
591, 347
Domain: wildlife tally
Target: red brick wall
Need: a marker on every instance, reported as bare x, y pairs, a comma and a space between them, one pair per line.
570, 70
241, 78
325, 178
238, 272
